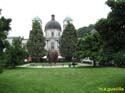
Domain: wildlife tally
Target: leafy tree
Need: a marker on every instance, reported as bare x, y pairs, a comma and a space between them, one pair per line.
112, 30
15, 53
4, 28
84, 30
68, 41
90, 46
36, 42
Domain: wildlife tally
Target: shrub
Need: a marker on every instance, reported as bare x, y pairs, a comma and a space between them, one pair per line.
1, 70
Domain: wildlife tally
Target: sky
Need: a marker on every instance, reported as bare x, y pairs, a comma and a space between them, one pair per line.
83, 13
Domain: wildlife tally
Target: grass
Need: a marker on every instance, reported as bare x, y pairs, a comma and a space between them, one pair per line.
61, 80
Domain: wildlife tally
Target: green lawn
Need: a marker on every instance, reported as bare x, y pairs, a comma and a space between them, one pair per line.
61, 80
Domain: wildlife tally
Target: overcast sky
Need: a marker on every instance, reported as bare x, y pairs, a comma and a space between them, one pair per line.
83, 12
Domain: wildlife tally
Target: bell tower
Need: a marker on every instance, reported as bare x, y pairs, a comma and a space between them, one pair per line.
66, 20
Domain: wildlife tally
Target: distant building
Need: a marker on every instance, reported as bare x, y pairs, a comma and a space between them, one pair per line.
52, 32
10, 39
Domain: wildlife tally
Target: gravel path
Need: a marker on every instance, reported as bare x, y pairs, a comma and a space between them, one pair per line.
51, 66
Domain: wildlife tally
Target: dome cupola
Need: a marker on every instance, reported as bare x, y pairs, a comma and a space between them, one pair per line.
68, 19
37, 19
52, 24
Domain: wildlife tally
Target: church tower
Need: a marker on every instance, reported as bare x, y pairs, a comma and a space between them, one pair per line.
37, 19
66, 20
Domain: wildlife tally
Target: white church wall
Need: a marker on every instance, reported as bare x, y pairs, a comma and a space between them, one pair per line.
56, 33
52, 36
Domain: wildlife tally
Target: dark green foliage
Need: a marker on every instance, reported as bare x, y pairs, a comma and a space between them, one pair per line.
90, 46
84, 30
2, 62
1, 46
68, 41
36, 42
4, 28
1, 70
15, 53
112, 30
119, 58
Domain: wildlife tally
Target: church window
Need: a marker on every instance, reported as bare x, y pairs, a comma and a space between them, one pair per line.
52, 34
58, 34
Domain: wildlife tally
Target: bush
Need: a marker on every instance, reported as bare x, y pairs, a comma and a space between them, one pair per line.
15, 53
1, 65
119, 58
1, 70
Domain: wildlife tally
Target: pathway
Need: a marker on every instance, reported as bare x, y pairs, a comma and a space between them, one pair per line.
44, 66
53, 66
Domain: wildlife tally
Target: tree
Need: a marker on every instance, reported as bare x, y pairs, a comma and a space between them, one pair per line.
68, 41
4, 28
112, 29
36, 41
84, 30
15, 53
90, 46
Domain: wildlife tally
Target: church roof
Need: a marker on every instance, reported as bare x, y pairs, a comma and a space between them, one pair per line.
68, 18
36, 18
53, 24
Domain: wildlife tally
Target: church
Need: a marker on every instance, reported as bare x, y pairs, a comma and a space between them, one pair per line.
53, 31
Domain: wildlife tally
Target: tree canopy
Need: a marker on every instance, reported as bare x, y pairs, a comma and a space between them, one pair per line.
36, 41
112, 30
68, 41
4, 28
15, 53
107, 45
84, 30
90, 46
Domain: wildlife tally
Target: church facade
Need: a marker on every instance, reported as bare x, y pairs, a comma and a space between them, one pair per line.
52, 32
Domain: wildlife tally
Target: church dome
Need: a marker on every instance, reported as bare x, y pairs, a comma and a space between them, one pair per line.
53, 24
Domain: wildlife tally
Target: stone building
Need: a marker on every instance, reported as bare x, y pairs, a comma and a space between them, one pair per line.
52, 34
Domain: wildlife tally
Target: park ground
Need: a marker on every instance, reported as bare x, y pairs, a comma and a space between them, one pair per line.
62, 80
